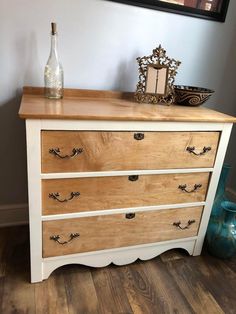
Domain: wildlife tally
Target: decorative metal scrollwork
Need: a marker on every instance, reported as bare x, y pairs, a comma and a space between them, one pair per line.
178, 224
191, 150
56, 152
138, 136
130, 215
56, 196
158, 57
57, 237
184, 186
133, 178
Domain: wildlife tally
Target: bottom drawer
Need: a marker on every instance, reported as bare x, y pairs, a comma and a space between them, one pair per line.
70, 236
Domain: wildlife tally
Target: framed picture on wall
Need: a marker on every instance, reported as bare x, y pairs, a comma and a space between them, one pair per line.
207, 9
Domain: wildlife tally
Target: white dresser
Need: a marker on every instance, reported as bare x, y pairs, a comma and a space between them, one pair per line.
111, 181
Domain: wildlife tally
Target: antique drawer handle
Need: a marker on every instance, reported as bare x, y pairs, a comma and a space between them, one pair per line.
138, 136
191, 150
133, 178
178, 224
56, 152
57, 237
56, 196
196, 187
130, 215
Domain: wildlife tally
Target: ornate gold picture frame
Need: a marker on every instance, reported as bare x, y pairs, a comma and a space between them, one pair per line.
156, 78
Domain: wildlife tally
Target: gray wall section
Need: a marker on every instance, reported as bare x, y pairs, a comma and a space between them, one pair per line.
13, 184
98, 44
227, 101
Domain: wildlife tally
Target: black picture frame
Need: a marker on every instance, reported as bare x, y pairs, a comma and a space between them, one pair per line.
181, 9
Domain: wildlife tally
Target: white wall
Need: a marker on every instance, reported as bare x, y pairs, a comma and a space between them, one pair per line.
99, 41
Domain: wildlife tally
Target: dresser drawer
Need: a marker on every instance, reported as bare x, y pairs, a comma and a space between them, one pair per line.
98, 193
70, 151
120, 230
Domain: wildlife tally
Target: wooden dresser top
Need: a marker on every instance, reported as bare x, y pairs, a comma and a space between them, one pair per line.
108, 105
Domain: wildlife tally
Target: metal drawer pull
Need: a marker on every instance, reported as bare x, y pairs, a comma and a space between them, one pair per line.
138, 136
133, 178
56, 196
196, 187
56, 152
130, 215
191, 150
57, 237
178, 224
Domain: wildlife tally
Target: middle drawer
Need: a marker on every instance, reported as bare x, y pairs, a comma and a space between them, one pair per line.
99, 193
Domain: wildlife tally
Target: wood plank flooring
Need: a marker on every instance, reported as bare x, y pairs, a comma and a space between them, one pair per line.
171, 283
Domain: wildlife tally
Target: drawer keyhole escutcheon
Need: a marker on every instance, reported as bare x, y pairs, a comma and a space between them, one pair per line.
133, 178
56, 196
184, 186
191, 150
138, 136
72, 236
130, 215
178, 224
56, 152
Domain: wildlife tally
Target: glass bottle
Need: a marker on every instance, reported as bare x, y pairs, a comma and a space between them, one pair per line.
53, 74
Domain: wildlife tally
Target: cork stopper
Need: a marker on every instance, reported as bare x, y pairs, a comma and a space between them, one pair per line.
54, 28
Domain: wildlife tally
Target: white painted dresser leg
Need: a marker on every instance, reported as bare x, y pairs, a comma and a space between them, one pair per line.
36, 272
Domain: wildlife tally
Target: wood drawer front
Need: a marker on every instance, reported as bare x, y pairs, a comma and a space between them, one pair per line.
113, 231
106, 151
99, 193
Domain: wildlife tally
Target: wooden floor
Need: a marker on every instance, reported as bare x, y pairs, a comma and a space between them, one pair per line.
171, 283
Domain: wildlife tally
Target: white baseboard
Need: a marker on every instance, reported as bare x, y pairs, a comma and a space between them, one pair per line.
13, 214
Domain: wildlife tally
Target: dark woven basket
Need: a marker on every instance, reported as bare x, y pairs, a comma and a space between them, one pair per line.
191, 95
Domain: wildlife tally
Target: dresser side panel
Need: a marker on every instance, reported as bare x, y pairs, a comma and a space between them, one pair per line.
224, 140
34, 191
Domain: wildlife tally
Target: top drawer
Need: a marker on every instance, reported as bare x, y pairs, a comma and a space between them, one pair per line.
71, 151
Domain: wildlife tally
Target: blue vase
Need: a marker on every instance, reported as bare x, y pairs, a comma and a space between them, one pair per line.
222, 242
216, 213
220, 193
